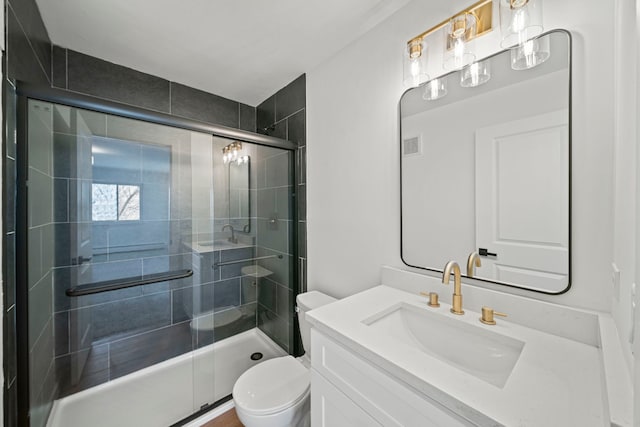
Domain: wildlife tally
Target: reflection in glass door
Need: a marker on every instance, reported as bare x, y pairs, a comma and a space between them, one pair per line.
157, 266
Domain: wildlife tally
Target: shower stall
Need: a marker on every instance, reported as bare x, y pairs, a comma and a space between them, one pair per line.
155, 261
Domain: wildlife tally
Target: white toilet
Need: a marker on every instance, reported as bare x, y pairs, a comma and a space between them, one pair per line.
275, 393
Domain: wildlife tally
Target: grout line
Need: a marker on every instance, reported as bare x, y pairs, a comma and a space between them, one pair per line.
67, 314
66, 68
108, 361
294, 113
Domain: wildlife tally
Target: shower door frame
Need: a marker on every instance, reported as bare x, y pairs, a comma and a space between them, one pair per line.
25, 92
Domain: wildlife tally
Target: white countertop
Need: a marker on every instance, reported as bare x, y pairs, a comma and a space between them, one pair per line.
215, 245
557, 381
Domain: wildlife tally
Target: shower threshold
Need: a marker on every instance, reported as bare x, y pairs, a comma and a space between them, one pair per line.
167, 392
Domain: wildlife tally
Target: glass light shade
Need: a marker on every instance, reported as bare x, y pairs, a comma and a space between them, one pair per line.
520, 20
530, 54
435, 89
458, 51
415, 63
475, 74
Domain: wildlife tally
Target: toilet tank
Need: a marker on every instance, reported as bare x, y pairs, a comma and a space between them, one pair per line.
306, 302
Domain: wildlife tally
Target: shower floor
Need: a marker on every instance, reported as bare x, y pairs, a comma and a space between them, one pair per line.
166, 392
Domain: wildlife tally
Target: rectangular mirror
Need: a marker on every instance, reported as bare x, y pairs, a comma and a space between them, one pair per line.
485, 167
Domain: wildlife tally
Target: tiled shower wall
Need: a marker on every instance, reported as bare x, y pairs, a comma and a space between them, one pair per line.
93, 76
283, 115
27, 58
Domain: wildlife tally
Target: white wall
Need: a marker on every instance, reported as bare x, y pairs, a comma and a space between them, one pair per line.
353, 154
636, 347
2, 309
625, 214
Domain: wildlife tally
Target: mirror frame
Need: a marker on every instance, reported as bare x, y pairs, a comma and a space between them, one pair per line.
570, 172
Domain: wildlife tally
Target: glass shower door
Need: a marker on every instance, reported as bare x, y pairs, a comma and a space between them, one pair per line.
151, 251
111, 222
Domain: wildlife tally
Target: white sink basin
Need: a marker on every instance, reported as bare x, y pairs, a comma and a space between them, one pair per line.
476, 350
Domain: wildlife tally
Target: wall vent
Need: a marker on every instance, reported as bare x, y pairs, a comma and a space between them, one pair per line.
412, 146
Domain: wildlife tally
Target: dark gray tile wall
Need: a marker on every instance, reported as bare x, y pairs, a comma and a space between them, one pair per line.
274, 239
96, 77
31, 58
28, 58
282, 115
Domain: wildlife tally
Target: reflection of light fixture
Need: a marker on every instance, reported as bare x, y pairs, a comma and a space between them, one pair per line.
475, 74
435, 89
530, 53
460, 30
231, 151
520, 20
462, 27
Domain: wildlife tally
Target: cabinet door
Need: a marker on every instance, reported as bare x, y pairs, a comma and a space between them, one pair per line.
389, 402
331, 408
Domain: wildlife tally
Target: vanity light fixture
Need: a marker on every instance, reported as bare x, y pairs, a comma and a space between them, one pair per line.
415, 63
435, 89
520, 20
230, 153
475, 74
521, 24
461, 28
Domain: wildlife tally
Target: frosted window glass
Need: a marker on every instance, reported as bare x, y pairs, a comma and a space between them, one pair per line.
111, 202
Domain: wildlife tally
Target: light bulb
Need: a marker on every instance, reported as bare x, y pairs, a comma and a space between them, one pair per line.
458, 52
520, 20
473, 70
415, 68
435, 89
476, 74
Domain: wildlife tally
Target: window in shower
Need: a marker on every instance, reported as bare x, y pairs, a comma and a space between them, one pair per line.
114, 202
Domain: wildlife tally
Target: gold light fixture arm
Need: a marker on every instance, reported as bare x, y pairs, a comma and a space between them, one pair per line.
482, 11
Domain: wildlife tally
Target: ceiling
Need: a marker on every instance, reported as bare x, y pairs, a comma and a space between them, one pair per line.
244, 50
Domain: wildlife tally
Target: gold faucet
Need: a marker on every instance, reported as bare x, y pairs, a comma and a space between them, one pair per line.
457, 285
474, 258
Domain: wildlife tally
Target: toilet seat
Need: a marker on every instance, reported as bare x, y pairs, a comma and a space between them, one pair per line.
272, 386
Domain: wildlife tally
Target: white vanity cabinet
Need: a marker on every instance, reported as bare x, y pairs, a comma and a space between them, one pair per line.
347, 390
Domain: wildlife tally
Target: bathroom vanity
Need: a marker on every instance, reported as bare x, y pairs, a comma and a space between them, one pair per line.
384, 357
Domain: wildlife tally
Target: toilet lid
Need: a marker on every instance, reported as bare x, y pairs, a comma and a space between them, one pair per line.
271, 386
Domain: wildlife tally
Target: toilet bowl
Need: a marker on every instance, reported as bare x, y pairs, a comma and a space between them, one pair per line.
275, 393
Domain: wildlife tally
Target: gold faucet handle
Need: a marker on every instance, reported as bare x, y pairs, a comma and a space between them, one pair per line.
487, 316
433, 298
